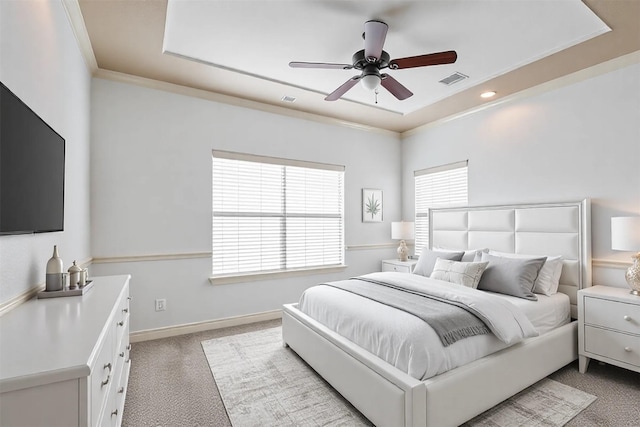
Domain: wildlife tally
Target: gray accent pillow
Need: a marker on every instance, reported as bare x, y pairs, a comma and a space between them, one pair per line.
511, 276
428, 259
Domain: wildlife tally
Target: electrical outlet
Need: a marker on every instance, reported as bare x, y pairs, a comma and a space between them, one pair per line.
161, 304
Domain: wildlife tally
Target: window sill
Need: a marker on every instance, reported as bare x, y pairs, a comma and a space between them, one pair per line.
252, 277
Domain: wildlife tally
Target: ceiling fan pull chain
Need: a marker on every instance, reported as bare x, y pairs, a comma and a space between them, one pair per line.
376, 92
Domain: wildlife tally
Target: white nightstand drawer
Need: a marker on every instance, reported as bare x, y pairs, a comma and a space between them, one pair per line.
612, 314
399, 266
393, 267
618, 346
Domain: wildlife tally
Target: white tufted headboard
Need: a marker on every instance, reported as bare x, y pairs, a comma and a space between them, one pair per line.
536, 229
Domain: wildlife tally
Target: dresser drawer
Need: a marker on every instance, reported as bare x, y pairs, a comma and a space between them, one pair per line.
122, 324
102, 375
612, 314
614, 345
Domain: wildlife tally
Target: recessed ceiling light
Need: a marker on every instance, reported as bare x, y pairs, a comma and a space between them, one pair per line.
488, 94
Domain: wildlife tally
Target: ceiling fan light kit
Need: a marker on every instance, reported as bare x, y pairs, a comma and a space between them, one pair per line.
373, 58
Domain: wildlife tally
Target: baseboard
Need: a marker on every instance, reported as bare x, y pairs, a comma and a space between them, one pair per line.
189, 328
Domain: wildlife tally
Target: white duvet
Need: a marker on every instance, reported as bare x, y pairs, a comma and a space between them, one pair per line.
406, 341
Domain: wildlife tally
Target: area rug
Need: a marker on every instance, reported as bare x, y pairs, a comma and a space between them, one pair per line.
264, 384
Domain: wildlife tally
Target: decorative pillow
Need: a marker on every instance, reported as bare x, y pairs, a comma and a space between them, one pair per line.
461, 273
511, 276
427, 260
549, 275
469, 255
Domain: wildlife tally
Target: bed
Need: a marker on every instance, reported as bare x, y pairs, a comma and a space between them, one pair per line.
389, 396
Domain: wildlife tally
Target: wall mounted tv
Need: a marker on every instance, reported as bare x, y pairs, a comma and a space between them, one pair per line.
32, 158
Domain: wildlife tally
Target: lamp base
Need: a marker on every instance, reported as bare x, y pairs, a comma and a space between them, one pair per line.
403, 251
633, 275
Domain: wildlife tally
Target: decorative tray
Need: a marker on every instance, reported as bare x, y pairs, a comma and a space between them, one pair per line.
67, 292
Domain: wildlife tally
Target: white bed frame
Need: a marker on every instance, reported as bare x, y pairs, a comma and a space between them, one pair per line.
390, 397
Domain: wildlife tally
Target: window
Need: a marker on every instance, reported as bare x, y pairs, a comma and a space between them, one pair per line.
437, 187
273, 214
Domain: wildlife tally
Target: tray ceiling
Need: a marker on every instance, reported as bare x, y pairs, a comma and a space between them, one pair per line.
242, 48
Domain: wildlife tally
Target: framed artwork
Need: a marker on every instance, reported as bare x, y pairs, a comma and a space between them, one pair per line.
371, 205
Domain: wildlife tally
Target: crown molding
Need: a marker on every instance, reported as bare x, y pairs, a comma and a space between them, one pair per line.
578, 76
72, 8
232, 100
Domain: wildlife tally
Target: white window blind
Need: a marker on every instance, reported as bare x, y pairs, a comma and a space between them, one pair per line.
442, 186
274, 214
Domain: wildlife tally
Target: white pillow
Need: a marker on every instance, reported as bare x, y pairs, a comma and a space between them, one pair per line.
461, 273
549, 276
428, 258
469, 255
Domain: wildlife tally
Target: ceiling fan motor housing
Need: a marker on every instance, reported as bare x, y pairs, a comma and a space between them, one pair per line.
360, 61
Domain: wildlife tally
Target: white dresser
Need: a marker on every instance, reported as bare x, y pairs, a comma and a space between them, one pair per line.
608, 327
65, 361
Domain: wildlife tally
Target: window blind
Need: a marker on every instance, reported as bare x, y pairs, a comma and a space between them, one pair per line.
274, 214
442, 186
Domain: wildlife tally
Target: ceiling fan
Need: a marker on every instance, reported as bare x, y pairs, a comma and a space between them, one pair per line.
372, 59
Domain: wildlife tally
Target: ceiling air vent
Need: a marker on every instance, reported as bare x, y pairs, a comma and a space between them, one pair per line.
453, 78
288, 98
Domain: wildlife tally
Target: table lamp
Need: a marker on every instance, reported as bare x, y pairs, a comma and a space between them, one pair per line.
403, 230
625, 236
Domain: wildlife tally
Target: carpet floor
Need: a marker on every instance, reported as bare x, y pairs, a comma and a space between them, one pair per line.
264, 384
171, 385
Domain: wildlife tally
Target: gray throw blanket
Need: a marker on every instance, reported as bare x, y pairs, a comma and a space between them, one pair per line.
451, 321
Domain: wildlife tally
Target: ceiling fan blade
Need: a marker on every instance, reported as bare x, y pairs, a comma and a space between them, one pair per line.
393, 86
375, 32
448, 57
320, 65
336, 94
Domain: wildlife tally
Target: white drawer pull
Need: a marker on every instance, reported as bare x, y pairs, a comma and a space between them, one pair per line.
120, 323
627, 318
125, 310
627, 349
129, 347
121, 390
122, 354
114, 413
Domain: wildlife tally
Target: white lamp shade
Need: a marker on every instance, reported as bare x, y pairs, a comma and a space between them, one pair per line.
625, 233
403, 230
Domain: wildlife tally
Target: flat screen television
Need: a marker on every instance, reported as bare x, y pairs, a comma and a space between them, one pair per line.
32, 161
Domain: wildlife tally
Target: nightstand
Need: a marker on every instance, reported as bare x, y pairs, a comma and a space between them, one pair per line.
608, 327
399, 266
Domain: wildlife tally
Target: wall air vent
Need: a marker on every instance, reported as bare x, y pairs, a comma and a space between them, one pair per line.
287, 98
453, 78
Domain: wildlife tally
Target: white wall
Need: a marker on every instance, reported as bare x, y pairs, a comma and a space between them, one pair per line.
151, 194
578, 141
40, 62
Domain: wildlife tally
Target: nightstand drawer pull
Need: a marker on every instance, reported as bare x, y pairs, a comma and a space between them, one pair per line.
627, 318
627, 349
